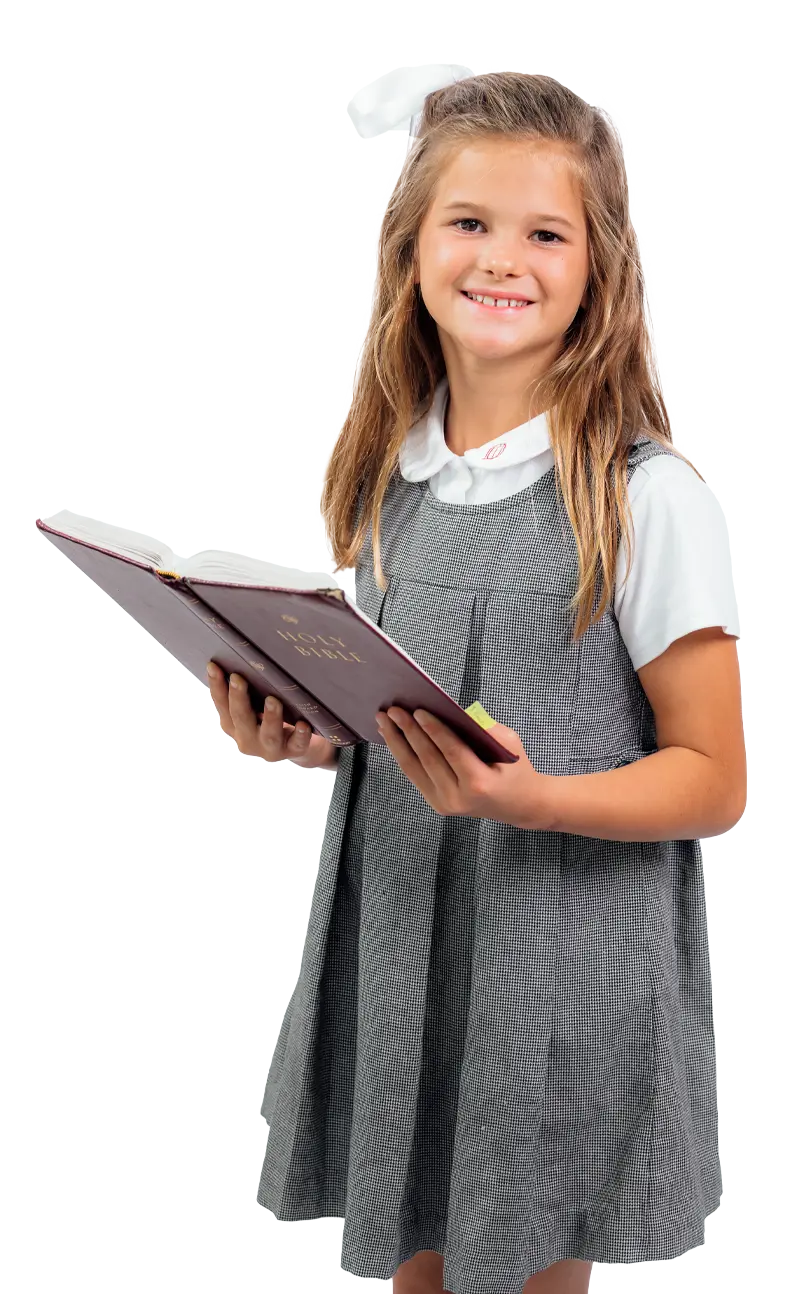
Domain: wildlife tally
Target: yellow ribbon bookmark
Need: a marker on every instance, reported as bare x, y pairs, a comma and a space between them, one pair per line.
476, 711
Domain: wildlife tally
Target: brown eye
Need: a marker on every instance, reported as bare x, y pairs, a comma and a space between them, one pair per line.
471, 220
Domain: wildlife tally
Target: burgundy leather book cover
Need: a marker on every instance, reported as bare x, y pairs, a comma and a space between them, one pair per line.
317, 636
194, 634
330, 659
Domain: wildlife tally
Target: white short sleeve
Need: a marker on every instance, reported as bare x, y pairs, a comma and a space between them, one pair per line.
681, 577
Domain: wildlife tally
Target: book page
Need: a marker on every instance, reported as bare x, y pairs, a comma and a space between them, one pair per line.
211, 538
232, 542
111, 511
129, 543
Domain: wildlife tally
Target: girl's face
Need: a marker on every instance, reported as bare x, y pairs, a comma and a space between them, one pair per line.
505, 221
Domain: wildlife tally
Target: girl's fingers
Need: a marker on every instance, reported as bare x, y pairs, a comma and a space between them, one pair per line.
298, 738
236, 715
279, 737
268, 735
220, 694
271, 737
241, 712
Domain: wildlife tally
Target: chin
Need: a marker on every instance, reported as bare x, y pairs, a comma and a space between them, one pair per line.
491, 348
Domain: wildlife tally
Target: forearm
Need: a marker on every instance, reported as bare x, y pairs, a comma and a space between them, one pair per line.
674, 794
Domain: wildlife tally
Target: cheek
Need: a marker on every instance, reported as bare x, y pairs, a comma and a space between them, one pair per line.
441, 258
564, 277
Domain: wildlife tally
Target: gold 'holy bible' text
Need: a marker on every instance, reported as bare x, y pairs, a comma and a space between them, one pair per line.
317, 645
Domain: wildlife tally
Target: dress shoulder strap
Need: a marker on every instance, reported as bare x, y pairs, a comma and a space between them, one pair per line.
645, 447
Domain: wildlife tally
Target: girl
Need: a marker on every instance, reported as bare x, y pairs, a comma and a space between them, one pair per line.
497, 1064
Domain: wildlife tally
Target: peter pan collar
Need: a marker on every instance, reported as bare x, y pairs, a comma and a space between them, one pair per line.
425, 452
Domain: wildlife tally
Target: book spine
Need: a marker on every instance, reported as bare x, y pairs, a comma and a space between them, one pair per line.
267, 678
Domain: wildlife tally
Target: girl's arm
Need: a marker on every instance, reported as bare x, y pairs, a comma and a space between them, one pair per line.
695, 784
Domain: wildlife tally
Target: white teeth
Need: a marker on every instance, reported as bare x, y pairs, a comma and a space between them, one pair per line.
499, 302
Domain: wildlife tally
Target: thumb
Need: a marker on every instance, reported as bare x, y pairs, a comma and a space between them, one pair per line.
508, 737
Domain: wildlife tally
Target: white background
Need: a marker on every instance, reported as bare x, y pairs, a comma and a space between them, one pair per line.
153, 215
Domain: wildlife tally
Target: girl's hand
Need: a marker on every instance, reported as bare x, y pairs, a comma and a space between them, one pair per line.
271, 738
454, 780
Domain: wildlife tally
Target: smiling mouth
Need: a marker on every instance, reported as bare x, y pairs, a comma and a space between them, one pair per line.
508, 310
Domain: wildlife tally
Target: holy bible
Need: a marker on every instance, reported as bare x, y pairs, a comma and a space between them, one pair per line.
291, 634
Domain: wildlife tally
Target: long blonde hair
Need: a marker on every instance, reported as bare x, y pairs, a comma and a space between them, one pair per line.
602, 390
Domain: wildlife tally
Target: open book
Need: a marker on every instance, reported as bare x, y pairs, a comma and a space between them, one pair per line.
291, 634
273, 558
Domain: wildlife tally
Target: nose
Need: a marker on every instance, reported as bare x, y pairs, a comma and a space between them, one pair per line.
500, 261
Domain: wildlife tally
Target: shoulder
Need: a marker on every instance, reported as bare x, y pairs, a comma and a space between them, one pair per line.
662, 472
664, 485
680, 576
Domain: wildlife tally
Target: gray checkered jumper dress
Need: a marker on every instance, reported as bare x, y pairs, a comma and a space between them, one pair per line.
500, 1043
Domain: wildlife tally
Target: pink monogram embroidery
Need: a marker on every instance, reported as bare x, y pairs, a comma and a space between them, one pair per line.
496, 450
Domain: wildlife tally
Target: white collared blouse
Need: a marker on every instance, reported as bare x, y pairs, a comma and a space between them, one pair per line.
681, 577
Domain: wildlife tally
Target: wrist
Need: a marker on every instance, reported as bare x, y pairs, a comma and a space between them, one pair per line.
544, 809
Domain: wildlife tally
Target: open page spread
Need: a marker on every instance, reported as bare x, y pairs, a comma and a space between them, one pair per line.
212, 538
128, 543
229, 541
210, 563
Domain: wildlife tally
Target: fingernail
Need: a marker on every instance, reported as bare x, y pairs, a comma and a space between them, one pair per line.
271, 703
235, 680
211, 669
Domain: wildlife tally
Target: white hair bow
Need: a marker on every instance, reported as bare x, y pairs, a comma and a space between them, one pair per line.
395, 101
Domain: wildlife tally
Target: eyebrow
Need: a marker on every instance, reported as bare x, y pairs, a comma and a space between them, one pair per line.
558, 220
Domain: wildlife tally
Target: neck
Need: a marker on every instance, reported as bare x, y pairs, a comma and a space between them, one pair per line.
482, 406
